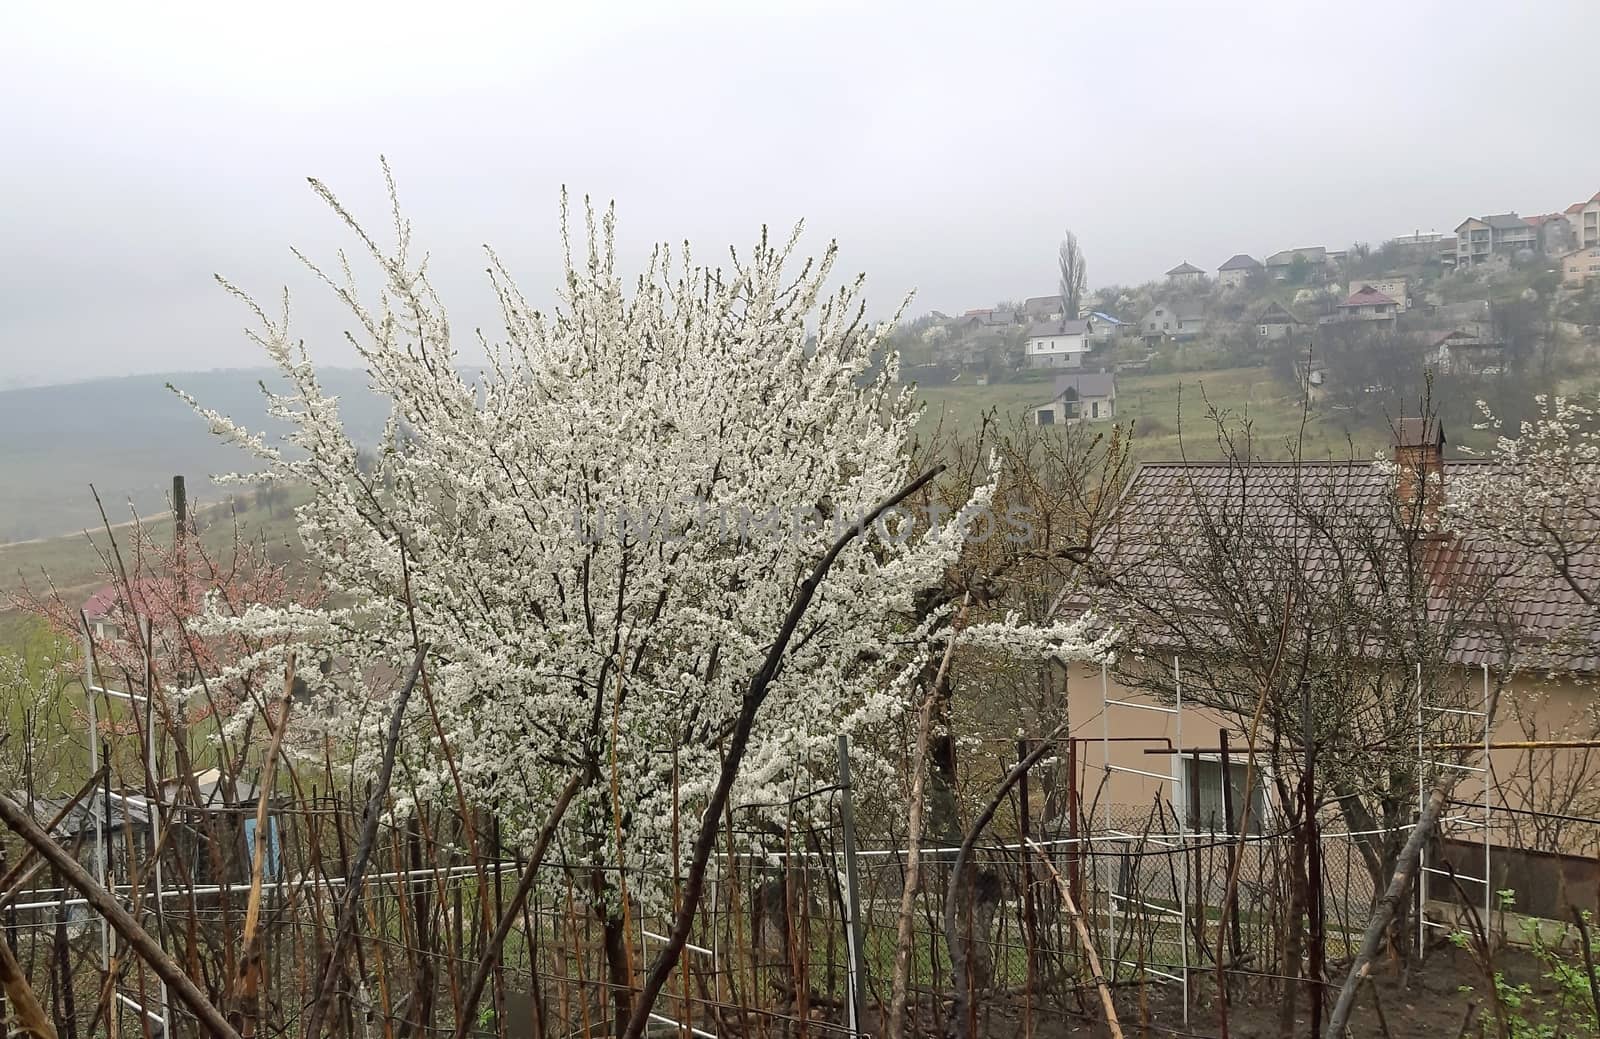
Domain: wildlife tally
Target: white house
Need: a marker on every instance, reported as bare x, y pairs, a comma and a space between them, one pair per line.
1085, 397
1057, 344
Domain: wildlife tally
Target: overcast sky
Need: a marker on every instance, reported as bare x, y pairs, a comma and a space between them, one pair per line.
144, 147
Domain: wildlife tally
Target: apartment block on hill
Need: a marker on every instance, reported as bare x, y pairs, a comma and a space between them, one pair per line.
1585, 220
1480, 240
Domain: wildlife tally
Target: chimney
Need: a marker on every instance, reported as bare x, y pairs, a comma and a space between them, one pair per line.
1419, 483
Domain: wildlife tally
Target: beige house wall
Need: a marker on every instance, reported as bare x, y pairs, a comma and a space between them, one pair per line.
1561, 708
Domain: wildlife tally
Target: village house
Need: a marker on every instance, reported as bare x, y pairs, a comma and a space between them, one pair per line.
1396, 286
1185, 273
1367, 304
1164, 500
1585, 220
1276, 322
1238, 269
1104, 328
1057, 344
1085, 397
1043, 308
1461, 352
1180, 321
1314, 260
1495, 238
1580, 266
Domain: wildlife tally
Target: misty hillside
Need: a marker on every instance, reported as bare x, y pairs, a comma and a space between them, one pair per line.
129, 436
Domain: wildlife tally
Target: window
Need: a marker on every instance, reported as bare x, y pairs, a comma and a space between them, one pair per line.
1165, 326
1201, 791
1263, 329
1047, 417
1094, 409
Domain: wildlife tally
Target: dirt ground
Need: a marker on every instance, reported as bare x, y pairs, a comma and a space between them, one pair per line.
1426, 1002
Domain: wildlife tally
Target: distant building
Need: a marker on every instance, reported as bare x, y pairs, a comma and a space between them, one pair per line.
1463, 352
1086, 397
1368, 304
1480, 240
1239, 269
1185, 273
1104, 327
1183, 320
1057, 344
1043, 308
1314, 258
1554, 233
1397, 287
1585, 220
1581, 266
1276, 322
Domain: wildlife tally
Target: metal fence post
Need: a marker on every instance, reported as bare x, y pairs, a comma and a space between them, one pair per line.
853, 931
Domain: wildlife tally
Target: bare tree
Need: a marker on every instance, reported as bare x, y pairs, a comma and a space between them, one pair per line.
1074, 275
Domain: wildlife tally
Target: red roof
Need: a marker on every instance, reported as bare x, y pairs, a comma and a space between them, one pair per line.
1368, 296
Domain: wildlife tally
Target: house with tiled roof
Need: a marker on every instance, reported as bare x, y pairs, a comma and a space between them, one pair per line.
1081, 397
1185, 273
1238, 269
1056, 344
1199, 547
1177, 320
1367, 304
1276, 322
1396, 286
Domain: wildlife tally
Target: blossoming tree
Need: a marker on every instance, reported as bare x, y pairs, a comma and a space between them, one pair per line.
600, 536
1541, 493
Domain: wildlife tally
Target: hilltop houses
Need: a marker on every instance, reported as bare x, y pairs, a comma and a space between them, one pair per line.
1185, 273
1312, 259
1238, 269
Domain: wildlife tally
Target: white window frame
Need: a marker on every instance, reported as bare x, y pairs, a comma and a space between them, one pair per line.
1263, 773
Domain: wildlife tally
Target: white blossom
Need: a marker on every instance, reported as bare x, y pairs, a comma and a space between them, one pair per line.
701, 394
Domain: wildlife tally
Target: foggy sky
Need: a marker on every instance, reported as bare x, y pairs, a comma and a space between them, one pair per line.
144, 147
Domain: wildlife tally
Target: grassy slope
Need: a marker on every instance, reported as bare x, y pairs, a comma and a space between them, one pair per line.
74, 565
1151, 402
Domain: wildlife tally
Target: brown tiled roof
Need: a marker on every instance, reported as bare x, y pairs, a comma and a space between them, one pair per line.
1367, 296
1165, 504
